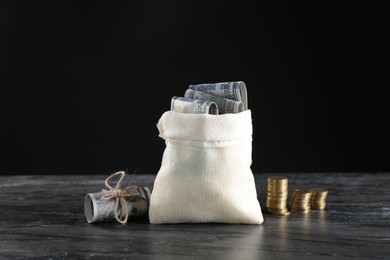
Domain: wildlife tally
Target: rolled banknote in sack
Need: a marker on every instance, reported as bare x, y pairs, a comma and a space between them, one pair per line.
193, 106
97, 210
224, 105
231, 90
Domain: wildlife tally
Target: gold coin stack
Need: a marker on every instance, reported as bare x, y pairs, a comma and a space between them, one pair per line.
318, 198
300, 201
277, 192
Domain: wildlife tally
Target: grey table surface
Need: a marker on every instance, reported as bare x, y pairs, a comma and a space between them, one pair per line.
42, 218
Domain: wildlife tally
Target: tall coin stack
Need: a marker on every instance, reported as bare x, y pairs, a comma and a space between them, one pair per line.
318, 198
300, 201
277, 192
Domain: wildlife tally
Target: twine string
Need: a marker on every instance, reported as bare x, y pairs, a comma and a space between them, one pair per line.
121, 211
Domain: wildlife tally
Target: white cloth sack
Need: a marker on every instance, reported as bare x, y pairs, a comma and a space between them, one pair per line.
205, 174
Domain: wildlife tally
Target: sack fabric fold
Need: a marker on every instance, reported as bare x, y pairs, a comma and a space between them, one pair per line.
205, 173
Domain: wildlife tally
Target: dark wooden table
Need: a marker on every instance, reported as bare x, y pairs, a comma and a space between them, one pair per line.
41, 217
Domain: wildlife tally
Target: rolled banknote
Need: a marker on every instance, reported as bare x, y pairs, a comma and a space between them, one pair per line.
224, 105
193, 106
232, 90
97, 210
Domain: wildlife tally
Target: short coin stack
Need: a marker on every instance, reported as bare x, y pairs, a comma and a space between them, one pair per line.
277, 193
300, 201
318, 198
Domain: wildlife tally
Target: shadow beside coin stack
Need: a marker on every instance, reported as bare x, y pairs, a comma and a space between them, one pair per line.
302, 200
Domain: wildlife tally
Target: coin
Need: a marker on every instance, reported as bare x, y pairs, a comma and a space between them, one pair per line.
300, 201
318, 198
277, 194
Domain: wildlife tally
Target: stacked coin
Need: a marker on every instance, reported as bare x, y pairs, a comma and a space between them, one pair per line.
277, 192
318, 198
300, 201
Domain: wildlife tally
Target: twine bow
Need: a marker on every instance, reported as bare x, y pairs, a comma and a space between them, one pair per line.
121, 211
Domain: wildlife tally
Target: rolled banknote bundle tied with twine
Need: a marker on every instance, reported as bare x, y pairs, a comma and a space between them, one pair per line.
120, 209
96, 210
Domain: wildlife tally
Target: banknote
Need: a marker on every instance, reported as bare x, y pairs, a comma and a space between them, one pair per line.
224, 105
232, 90
193, 106
96, 210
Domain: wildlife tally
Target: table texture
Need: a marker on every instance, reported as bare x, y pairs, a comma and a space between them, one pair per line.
42, 217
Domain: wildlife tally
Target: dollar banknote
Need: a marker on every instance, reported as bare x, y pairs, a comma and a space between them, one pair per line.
97, 210
193, 106
224, 105
232, 90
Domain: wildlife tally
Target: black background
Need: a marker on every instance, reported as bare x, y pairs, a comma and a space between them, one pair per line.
83, 84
